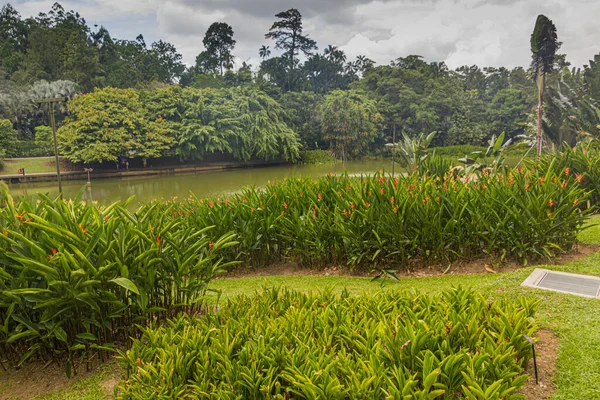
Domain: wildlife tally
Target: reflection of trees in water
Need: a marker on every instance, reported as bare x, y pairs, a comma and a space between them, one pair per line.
213, 184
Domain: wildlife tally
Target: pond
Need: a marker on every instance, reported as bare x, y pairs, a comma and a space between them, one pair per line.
203, 185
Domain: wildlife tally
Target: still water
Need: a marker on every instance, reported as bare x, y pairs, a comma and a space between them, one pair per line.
203, 185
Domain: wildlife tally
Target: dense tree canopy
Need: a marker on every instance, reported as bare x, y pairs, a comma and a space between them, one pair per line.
350, 122
221, 104
110, 123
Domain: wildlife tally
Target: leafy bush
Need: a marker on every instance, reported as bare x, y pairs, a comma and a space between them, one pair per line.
457, 151
282, 344
44, 140
375, 220
316, 157
75, 278
581, 161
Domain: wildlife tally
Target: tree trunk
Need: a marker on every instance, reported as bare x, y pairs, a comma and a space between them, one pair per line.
540, 110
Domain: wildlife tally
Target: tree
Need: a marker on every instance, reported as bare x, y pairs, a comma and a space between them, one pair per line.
350, 122
544, 44
14, 39
219, 44
8, 137
242, 121
302, 109
110, 123
264, 52
287, 33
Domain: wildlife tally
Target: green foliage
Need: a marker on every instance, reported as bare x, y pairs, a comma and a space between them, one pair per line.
243, 121
76, 279
377, 221
581, 161
316, 157
544, 45
456, 151
109, 123
219, 44
44, 139
302, 115
288, 36
282, 344
8, 138
412, 152
350, 122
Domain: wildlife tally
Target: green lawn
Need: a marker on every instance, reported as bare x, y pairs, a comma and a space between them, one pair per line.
575, 320
31, 165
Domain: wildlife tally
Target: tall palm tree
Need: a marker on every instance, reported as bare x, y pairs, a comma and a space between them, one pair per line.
264, 52
544, 44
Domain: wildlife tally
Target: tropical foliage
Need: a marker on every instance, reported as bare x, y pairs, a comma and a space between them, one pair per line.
282, 344
76, 279
109, 123
349, 122
243, 121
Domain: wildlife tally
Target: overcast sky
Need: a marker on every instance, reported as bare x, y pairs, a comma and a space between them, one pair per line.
459, 32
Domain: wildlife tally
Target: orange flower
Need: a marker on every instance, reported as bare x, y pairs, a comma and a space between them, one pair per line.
285, 205
381, 191
106, 218
283, 213
245, 200
541, 180
345, 213
211, 204
352, 205
564, 184
158, 240
4, 232
550, 215
211, 244
575, 202
527, 186
437, 198
579, 178
320, 196
53, 251
567, 171
395, 209
367, 204
551, 203
300, 194
84, 231
252, 210
392, 200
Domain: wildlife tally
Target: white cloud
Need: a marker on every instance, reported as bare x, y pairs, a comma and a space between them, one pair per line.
483, 32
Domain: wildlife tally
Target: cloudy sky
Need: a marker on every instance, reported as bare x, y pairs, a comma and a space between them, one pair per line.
483, 32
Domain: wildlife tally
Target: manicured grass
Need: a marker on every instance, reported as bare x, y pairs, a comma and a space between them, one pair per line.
31, 165
573, 319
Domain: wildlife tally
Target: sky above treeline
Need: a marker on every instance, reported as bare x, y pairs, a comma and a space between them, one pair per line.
459, 32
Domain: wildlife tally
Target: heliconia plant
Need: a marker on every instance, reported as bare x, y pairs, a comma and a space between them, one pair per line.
282, 344
75, 279
403, 221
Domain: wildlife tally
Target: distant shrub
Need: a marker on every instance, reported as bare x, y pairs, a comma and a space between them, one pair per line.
316, 157
282, 344
458, 151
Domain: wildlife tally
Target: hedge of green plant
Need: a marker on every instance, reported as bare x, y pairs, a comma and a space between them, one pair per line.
75, 279
282, 344
316, 157
377, 220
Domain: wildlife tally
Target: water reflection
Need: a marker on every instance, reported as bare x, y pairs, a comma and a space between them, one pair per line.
210, 184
